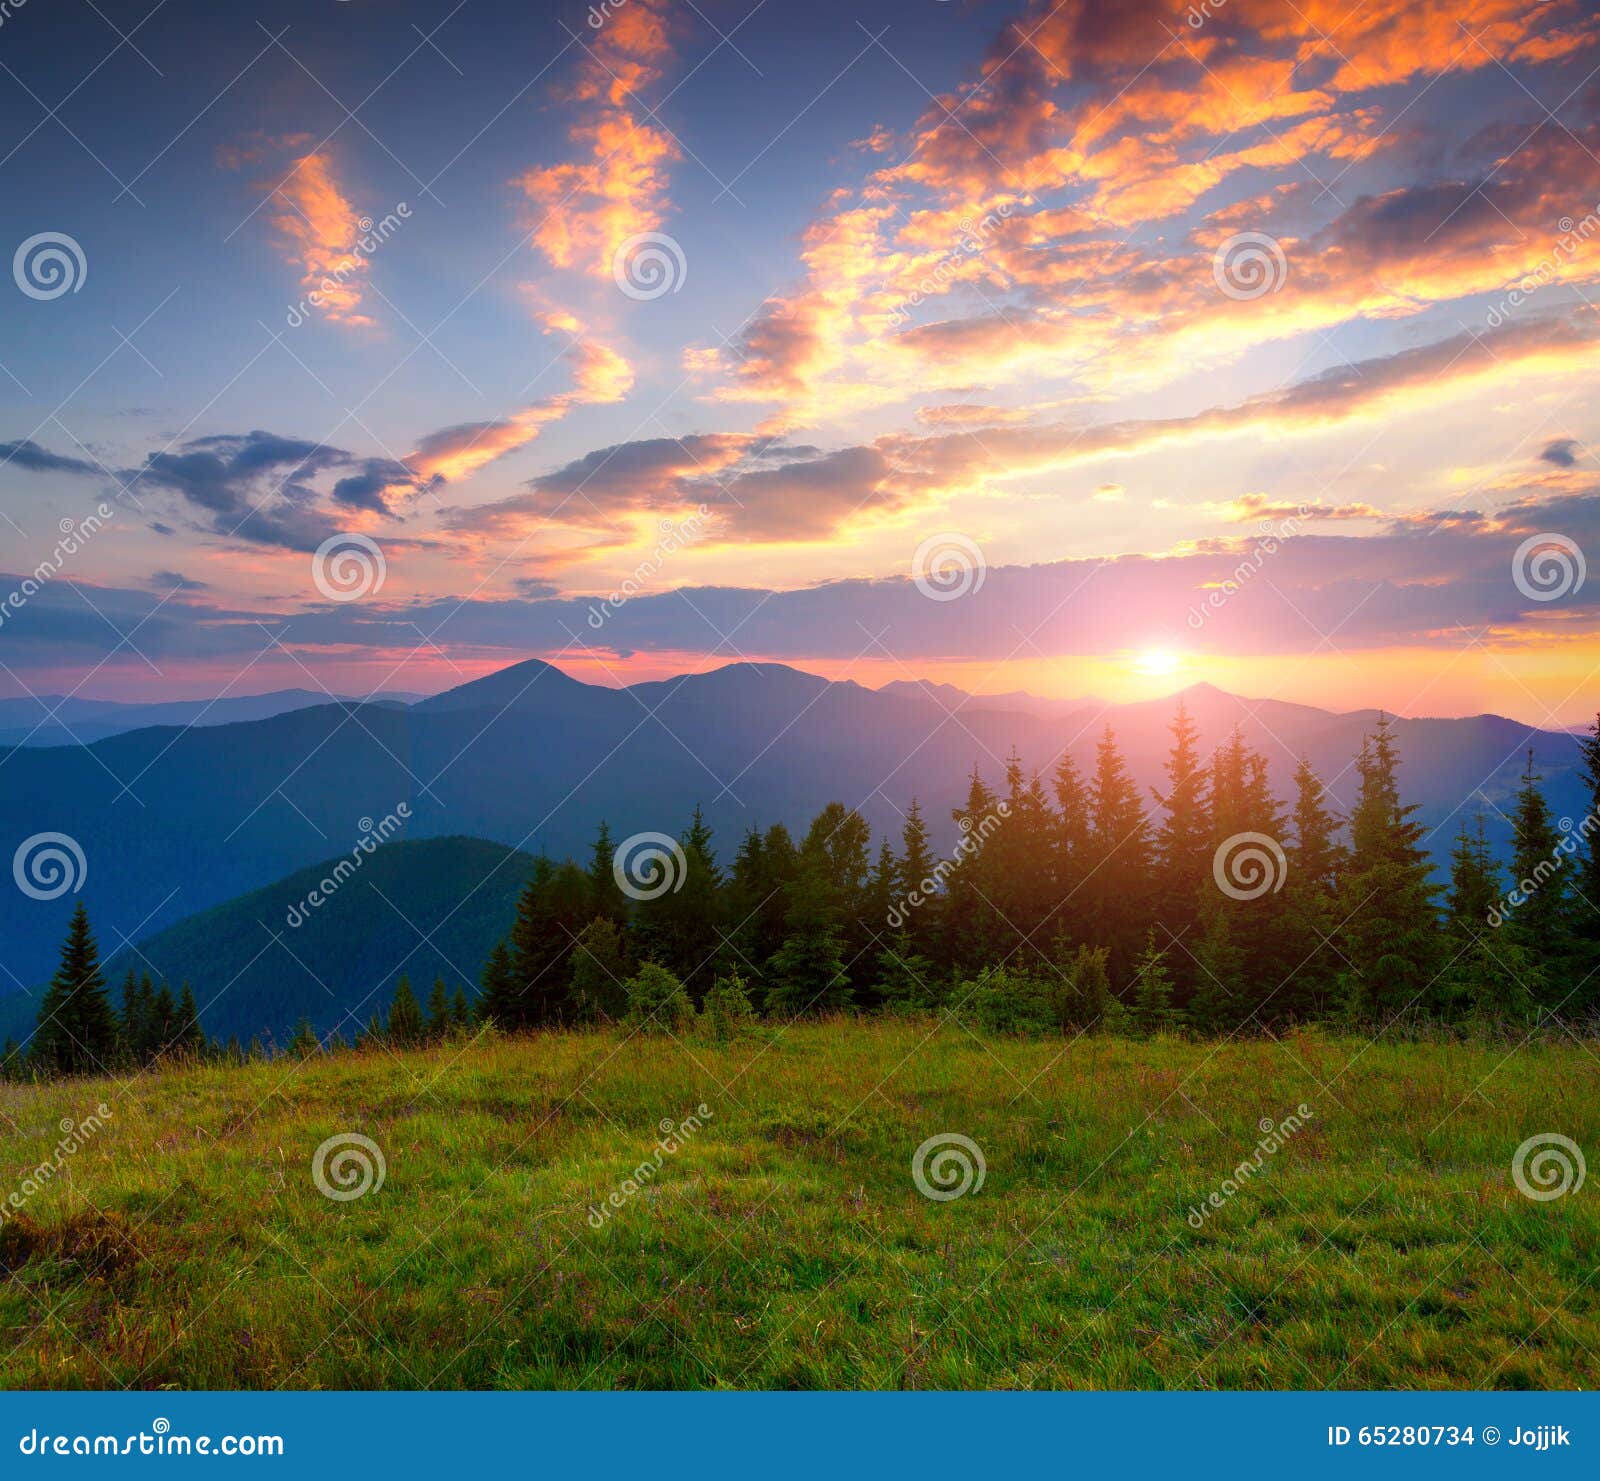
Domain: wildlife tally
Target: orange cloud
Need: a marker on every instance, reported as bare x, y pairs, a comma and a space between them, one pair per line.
321, 229
588, 207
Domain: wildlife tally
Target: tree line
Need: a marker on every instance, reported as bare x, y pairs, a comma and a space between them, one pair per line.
1069, 903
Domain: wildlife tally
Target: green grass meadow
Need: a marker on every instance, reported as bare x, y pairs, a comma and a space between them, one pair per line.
785, 1243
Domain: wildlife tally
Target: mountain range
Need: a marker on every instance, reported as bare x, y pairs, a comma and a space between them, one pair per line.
175, 819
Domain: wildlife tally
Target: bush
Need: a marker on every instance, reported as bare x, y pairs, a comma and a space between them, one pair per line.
726, 1011
657, 1001
1007, 1001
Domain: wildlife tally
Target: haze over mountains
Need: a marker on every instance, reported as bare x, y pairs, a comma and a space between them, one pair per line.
174, 819
57, 720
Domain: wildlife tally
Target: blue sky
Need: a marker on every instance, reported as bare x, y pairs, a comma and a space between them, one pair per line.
944, 277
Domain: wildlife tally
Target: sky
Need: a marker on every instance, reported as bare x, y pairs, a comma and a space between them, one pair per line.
1079, 348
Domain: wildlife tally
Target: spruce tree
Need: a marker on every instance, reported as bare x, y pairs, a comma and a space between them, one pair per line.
1316, 860
460, 1012
553, 909
1152, 1009
1183, 841
304, 1043
403, 1026
498, 1003
1492, 980
189, 1035
1586, 881
1220, 1003
727, 1010
1390, 931
807, 972
164, 1025
1539, 906
438, 1010
1118, 880
77, 1030
599, 972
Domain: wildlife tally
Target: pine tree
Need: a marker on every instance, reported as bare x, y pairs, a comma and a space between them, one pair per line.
807, 972
973, 936
77, 1030
438, 1011
679, 926
460, 1012
1220, 1004
1539, 907
403, 1026
1082, 988
1070, 860
1390, 931
1118, 881
1316, 860
1491, 979
906, 981
917, 879
130, 1022
1586, 882
599, 972
608, 899
304, 1044
1183, 841
498, 1002
164, 1024
189, 1035
553, 909
1153, 1012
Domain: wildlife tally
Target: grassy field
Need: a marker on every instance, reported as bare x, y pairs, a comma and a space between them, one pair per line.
785, 1243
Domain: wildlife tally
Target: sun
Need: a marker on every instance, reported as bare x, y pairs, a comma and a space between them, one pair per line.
1157, 663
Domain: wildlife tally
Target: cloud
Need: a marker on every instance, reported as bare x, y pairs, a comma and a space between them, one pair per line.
1562, 452
586, 208
167, 580
1056, 215
320, 229
31, 458
768, 491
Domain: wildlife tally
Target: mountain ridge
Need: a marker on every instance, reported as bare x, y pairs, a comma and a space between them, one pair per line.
172, 821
